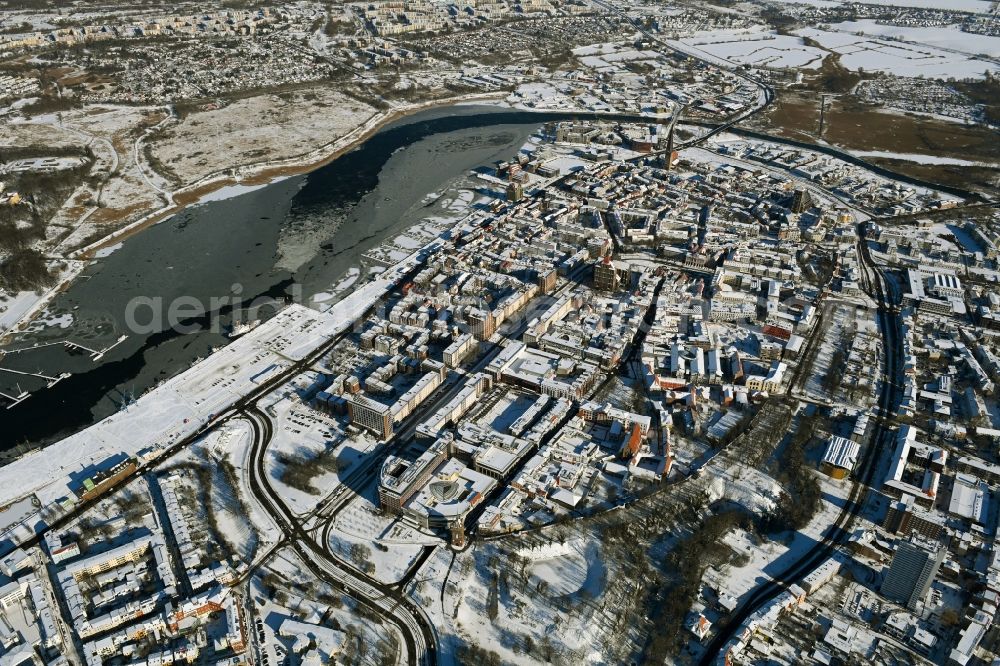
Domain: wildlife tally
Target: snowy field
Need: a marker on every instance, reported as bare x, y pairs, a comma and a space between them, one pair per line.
363, 520
611, 59
389, 546
900, 59
760, 49
271, 127
974, 6
949, 37
387, 566
566, 569
552, 597
921, 159
242, 521
834, 337
303, 433
766, 559
232, 444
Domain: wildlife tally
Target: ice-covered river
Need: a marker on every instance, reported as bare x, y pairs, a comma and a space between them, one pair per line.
296, 237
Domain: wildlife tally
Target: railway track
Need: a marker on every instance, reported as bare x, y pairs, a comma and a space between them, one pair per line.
890, 325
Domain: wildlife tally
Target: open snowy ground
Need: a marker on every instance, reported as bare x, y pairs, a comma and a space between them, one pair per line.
271, 127
763, 560
547, 599
382, 546
974, 6
902, 59
304, 434
758, 48
950, 37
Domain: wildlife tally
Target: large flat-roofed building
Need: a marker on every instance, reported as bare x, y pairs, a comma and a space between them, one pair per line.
370, 415
932, 294
969, 498
504, 359
490, 452
945, 285
400, 479
915, 468
544, 372
840, 457
447, 495
13, 592
498, 461
904, 517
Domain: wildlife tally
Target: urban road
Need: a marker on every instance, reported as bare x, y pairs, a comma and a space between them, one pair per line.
309, 534
766, 91
241, 407
391, 604
388, 600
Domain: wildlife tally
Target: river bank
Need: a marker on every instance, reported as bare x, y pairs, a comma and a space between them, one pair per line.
302, 237
266, 172
254, 174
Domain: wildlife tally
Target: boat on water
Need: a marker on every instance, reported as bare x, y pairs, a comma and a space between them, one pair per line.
242, 328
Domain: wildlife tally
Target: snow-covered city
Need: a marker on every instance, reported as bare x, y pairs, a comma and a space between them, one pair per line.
510, 332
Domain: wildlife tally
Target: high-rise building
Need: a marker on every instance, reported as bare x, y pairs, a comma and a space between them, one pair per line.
670, 154
400, 479
546, 280
482, 323
515, 192
913, 568
801, 201
611, 275
605, 276
370, 415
